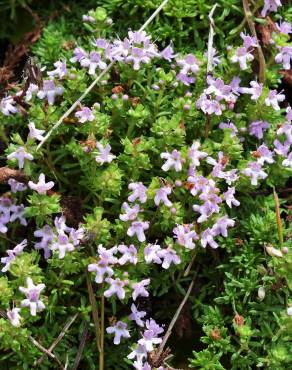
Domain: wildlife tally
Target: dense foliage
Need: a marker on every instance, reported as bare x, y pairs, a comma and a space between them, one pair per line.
163, 176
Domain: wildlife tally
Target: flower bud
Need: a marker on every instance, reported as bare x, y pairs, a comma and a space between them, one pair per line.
173, 210
261, 293
178, 183
285, 250
114, 97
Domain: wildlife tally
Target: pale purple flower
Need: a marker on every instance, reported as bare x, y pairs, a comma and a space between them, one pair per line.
229, 198
169, 256
254, 171
274, 98
139, 289
151, 254
137, 315
270, 6
289, 311
220, 89
161, 196
140, 353
221, 226
185, 236
35, 133
167, 53
288, 161
60, 225
61, 69
215, 58
14, 317
210, 206
20, 155
173, 160
32, 293
85, 115
286, 129
242, 56
79, 54
266, 155
284, 27
119, 330
16, 186
50, 91
195, 154
12, 253
63, 245
116, 287
207, 238
32, 89
130, 213
104, 155
255, 90
257, 128
7, 106
139, 192
101, 268
47, 235
186, 80
281, 149
18, 213
150, 335
41, 187
209, 105
92, 62
249, 41
199, 183
289, 114
188, 64
137, 228
88, 18
231, 126
5, 213
284, 56
129, 254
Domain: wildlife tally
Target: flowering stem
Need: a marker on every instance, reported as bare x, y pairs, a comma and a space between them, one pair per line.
278, 217
262, 63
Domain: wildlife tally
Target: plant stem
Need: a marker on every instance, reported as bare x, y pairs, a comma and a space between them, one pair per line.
101, 353
278, 217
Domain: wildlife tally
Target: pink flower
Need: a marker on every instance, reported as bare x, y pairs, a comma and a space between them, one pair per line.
119, 330
41, 187
32, 293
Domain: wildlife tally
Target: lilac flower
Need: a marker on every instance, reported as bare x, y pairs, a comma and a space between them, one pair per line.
102, 268
62, 245
137, 228
254, 170
79, 54
119, 330
281, 149
140, 353
229, 198
186, 80
161, 196
169, 256
32, 89
47, 235
242, 56
151, 254
12, 253
273, 98
265, 155
41, 187
116, 287
249, 41
139, 192
61, 69
88, 18
60, 225
50, 91
257, 128
5, 213
209, 105
92, 62
207, 238
150, 335
32, 293
20, 155
104, 155
270, 6
139, 289
129, 254
130, 213
173, 160
167, 53
220, 90
230, 126
34, 133
289, 114
288, 161
215, 58
255, 90
137, 315
85, 115
286, 129
284, 27
7, 106
17, 213
185, 236
209, 207
284, 56
195, 154
199, 184
220, 227
14, 317
16, 186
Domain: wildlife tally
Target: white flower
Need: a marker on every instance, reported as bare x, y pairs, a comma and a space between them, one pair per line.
14, 317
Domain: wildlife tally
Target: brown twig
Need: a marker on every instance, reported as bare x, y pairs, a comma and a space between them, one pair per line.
94, 311
262, 63
278, 217
44, 350
59, 338
81, 346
